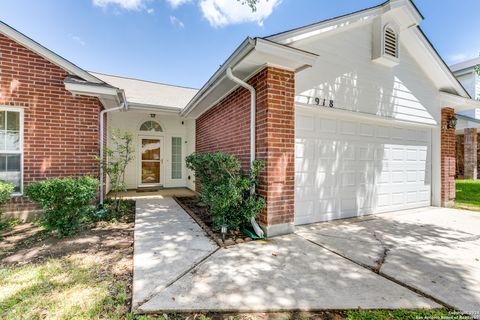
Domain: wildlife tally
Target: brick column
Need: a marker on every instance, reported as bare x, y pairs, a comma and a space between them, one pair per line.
276, 146
470, 153
447, 159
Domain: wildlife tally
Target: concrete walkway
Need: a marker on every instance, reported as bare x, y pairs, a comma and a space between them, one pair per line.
434, 250
177, 268
167, 244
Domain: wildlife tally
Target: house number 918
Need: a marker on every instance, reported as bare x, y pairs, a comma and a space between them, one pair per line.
323, 102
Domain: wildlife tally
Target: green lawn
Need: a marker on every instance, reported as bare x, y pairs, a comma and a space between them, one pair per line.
468, 194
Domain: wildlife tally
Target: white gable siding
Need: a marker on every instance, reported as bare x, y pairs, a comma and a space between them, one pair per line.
346, 74
469, 82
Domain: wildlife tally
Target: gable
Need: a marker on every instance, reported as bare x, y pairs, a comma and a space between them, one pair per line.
401, 13
346, 74
45, 53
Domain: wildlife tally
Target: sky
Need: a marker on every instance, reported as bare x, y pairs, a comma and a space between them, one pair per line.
183, 42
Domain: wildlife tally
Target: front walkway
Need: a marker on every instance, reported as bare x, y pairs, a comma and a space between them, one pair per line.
178, 268
167, 244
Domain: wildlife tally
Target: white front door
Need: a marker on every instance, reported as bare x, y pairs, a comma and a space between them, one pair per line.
348, 167
151, 161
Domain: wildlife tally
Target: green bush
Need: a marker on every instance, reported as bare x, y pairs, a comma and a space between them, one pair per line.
6, 190
66, 202
226, 188
113, 210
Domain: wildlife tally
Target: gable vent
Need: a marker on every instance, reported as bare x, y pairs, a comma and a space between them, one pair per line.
390, 42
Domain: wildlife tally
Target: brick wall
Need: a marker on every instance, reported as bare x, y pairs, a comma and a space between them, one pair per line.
226, 127
460, 151
61, 132
470, 153
448, 153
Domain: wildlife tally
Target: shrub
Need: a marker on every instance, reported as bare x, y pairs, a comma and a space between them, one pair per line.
121, 212
6, 190
228, 191
65, 201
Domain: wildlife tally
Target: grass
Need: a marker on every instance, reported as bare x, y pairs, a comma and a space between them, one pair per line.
468, 194
65, 288
400, 314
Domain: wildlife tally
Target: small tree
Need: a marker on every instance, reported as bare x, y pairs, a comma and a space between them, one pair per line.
116, 161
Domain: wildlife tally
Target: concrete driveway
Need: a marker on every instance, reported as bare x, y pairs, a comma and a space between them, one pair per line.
178, 268
433, 250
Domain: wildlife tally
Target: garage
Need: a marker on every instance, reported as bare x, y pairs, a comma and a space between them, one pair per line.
348, 165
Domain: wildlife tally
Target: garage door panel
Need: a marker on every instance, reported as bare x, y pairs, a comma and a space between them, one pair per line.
349, 168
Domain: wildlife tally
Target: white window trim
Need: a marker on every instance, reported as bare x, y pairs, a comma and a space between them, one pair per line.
182, 174
22, 155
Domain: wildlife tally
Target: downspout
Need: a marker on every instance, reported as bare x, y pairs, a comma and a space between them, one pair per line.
253, 108
123, 106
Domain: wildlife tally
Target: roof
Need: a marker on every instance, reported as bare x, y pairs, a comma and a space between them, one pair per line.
465, 64
251, 56
148, 93
51, 56
438, 68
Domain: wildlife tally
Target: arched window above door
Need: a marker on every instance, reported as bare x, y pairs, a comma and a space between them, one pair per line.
151, 126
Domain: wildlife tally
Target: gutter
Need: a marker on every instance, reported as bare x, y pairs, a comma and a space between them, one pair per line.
253, 112
123, 106
245, 48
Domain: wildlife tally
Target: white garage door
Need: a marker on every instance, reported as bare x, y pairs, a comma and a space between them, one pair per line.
347, 167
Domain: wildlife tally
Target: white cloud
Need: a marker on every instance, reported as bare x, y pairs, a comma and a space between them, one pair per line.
125, 4
176, 22
220, 13
77, 39
176, 3
460, 57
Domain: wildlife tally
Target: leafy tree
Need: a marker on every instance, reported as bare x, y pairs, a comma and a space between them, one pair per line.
116, 161
251, 3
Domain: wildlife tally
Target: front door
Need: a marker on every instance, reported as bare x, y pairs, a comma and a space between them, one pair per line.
151, 161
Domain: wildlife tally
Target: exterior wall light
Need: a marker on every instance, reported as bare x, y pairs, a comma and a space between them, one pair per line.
452, 123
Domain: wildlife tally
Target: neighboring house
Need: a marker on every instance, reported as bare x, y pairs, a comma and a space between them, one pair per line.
468, 139
353, 116
468, 77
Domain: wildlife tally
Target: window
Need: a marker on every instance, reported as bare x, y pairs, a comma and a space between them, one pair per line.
176, 158
390, 42
151, 125
11, 148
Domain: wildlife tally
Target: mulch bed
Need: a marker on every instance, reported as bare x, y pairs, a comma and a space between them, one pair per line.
109, 243
199, 212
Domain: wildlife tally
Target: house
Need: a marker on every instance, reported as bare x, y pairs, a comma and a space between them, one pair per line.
467, 147
352, 115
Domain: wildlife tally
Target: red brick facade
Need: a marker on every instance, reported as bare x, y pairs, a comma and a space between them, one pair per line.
61, 132
226, 127
448, 153
470, 153
460, 149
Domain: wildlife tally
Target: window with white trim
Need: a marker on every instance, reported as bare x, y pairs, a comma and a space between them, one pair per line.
176, 158
11, 147
151, 126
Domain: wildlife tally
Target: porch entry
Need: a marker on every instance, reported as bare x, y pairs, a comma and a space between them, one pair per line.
151, 161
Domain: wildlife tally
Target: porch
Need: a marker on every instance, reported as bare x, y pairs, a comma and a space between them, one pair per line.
157, 194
